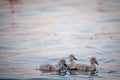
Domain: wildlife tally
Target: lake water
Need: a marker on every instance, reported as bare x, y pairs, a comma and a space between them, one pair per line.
35, 32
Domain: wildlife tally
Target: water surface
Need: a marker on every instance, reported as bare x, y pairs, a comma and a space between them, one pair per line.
35, 32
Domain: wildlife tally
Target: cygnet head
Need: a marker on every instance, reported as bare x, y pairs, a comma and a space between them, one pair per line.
62, 62
93, 60
72, 57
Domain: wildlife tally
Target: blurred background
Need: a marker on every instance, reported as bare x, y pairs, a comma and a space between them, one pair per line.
34, 32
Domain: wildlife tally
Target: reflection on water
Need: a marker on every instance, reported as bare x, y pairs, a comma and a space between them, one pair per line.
69, 73
12, 4
43, 31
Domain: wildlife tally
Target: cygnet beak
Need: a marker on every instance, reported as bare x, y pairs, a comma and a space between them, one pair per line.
75, 58
96, 62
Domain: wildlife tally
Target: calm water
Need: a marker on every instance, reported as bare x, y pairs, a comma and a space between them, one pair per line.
35, 32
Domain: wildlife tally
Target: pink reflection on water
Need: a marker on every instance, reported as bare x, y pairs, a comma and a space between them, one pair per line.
12, 4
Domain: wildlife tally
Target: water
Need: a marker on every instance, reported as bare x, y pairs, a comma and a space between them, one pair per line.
36, 32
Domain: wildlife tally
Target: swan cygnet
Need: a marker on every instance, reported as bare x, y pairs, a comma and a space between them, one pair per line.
49, 67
